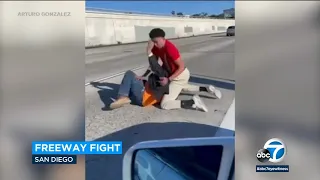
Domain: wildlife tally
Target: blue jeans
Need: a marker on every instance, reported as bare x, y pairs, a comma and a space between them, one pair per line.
132, 87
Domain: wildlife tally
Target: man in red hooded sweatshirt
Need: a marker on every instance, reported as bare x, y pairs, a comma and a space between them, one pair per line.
179, 74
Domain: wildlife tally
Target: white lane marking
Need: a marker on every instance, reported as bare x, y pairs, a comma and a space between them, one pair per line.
228, 122
115, 75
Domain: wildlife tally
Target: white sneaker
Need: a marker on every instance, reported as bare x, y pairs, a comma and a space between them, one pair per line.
199, 104
212, 90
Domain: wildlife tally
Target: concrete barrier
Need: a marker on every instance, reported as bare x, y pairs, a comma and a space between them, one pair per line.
118, 28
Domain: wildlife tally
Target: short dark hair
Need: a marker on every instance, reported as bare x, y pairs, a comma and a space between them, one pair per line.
157, 32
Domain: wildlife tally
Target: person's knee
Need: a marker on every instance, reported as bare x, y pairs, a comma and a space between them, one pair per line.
129, 74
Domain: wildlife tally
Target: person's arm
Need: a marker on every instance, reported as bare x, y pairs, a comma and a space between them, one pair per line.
150, 55
180, 64
174, 54
148, 71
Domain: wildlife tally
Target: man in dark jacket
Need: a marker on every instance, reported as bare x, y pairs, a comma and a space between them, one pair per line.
145, 90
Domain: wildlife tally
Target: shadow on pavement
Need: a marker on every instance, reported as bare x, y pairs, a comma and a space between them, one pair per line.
108, 91
100, 167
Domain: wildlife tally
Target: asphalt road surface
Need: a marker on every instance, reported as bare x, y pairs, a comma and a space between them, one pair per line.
210, 60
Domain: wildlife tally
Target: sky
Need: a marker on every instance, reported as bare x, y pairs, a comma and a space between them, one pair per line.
165, 7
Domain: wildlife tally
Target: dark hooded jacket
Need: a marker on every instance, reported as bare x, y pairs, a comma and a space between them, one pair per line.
153, 80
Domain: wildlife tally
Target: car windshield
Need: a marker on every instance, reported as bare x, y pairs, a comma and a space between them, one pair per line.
198, 163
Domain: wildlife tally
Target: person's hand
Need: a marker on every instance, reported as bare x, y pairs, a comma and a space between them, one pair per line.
150, 46
164, 81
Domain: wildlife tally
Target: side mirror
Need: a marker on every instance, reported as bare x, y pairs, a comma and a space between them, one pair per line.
181, 159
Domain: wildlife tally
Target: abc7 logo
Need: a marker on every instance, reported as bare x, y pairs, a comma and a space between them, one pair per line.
263, 155
274, 150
